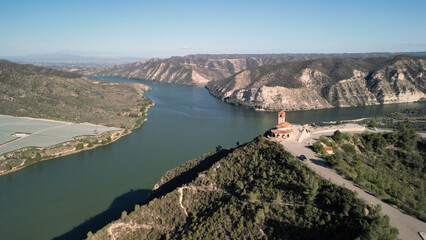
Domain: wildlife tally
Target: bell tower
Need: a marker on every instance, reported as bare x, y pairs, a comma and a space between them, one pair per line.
281, 117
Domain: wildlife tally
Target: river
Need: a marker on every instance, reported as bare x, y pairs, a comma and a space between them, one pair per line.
64, 198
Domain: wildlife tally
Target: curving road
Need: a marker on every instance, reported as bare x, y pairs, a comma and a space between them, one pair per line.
408, 226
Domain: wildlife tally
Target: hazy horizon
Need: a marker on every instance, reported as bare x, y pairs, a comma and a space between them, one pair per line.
178, 28
101, 56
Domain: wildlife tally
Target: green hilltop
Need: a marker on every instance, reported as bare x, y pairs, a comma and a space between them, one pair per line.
255, 191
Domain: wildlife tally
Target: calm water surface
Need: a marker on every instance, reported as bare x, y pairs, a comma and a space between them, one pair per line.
66, 197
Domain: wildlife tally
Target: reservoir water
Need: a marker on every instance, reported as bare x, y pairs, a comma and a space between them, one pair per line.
64, 198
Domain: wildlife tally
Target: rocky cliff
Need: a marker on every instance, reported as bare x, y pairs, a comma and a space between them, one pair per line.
202, 68
324, 83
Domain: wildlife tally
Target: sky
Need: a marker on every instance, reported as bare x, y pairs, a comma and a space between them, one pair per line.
162, 28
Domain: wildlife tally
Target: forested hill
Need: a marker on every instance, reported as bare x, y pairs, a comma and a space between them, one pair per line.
255, 191
39, 92
199, 69
325, 83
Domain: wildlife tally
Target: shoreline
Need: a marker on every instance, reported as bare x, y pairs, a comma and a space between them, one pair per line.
62, 153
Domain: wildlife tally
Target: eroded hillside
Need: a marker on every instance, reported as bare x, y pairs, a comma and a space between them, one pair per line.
325, 83
200, 69
184, 70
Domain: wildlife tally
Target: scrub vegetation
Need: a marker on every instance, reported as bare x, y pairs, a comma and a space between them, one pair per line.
389, 165
39, 92
412, 118
258, 191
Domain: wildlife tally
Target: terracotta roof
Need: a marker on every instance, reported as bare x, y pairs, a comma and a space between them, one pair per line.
283, 125
327, 148
281, 131
282, 112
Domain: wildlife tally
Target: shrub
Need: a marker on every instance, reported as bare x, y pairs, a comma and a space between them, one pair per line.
29, 160
372, 123
79, 146
349, 149
319, 148
337, 136
324, 140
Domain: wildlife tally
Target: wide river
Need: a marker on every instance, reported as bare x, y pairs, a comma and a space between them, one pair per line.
66, 197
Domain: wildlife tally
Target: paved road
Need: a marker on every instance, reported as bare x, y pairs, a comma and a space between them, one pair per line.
408, 226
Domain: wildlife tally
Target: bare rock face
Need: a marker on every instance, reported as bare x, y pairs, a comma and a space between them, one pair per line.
277, 98
325, 83
351, 92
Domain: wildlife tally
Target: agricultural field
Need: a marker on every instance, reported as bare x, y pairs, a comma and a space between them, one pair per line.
17, 132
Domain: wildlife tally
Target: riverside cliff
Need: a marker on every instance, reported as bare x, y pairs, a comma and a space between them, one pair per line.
202, 68
326, 83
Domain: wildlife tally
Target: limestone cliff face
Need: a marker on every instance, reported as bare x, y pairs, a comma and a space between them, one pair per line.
267, 98
184, 70
324, 83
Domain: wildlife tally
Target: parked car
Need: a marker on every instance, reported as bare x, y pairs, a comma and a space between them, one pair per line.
303, 157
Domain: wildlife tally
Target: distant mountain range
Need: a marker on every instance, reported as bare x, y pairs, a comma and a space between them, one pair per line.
61, 59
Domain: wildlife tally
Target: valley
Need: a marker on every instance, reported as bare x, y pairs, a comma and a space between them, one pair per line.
212, 120
119, 175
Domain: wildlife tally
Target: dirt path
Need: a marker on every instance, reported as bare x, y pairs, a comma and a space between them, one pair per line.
132, 226
214, 188
408, 226
181, 199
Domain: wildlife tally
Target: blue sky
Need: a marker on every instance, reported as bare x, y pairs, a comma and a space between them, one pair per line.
167, 28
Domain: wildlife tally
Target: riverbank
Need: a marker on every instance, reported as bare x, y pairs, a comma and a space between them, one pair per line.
21, 158
186, 120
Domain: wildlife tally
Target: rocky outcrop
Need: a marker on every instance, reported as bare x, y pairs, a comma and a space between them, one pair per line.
325, 83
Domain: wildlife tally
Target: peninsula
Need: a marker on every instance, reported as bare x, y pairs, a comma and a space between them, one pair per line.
75, 105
